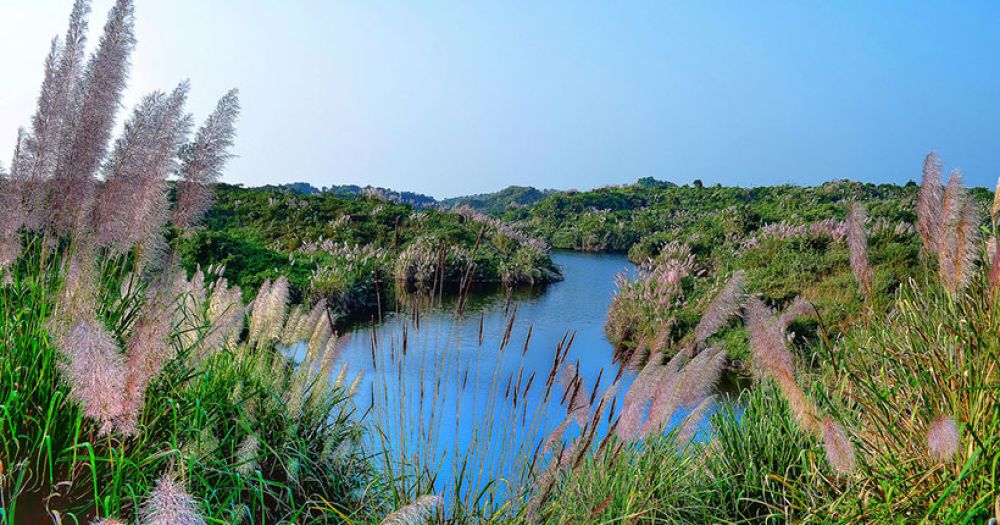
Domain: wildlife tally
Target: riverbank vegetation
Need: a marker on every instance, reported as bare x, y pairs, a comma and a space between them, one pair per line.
352, 251
894, 420
789, 244
140, 383
131, 390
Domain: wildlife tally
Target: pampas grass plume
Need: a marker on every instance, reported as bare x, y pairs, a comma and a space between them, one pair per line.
725, 305
929, 203
422, 510
857, 241
942, 438
95, 372
839, 451
170, 504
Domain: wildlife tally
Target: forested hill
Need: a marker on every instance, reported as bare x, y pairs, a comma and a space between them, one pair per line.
498, 201
492, 203
641, 217
417, 200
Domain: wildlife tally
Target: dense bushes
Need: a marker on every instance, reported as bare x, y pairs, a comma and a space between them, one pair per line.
340, 248
790, 243
894, 419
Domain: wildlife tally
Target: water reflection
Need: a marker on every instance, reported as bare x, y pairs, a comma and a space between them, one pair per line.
456, 372
462, 393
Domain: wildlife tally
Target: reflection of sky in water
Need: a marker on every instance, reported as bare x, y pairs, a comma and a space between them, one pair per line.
470, 386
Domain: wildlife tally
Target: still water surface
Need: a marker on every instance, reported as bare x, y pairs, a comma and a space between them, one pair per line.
446, 392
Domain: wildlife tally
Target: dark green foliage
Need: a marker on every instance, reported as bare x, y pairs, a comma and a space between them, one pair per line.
788, 240
261, 233
498, 201
247, 261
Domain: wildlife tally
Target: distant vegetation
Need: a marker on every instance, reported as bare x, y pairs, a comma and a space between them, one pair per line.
352, 251
140, 383
417, 200
788, 242
491, 203
893, 419
499, 201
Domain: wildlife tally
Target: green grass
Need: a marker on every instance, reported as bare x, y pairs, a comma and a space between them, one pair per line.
196, 415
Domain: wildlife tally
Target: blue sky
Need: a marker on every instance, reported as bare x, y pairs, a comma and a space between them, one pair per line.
456, 97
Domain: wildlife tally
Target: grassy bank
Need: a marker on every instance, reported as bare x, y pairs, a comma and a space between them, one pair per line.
895, 419
143, 382
353, 252
132, 390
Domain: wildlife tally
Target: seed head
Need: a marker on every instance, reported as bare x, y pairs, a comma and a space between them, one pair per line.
422, 510
170, 504
942, 438
857, 241
839, 451
929, 203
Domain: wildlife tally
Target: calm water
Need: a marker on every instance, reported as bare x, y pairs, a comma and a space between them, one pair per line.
453, 375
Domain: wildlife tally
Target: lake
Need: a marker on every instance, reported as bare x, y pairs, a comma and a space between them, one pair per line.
469, 394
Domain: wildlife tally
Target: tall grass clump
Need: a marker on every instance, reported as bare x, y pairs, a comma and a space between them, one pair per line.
129, 389
428, 384
893, 420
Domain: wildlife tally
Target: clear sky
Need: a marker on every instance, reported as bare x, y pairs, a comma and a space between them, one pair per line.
456, 97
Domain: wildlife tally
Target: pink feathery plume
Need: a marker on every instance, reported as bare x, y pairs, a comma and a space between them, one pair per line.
767, 342
170, 504
701, 376
772, 358
267, 316
11, 219
839, 451
78, 296
799, 404
225, 315
688, 429
954, 233
95, 103
422, 510
203, 161
726, 304
857, 242
132, 206
147, 352
665, 388
966, 242
942, 438
995, 209
95, 372
994, 278
637, 399
53, 113
554, 441
686, 388
929, 203
799, 308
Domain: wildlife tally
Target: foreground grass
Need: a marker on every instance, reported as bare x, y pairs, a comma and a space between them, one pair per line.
896, 420
198, 417
888, 379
